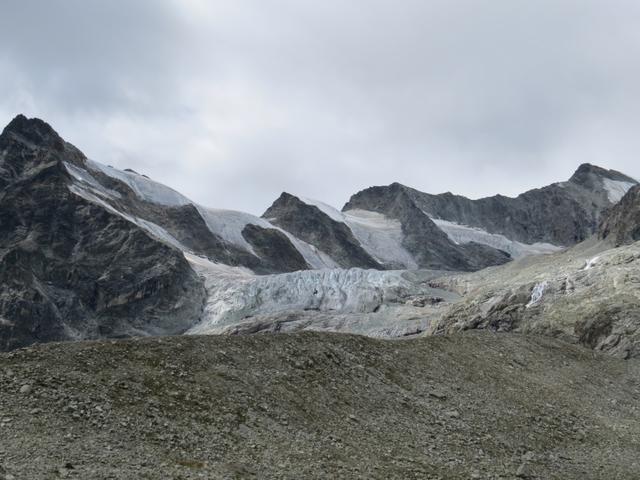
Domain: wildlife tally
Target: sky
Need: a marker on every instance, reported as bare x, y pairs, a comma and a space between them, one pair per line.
232, 102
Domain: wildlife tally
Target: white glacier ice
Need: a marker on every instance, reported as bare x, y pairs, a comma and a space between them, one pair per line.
145, 188
461, 234
616, 189
228, 224
380, 236
234, 294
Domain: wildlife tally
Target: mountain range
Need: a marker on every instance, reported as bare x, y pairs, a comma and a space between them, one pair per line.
89, 251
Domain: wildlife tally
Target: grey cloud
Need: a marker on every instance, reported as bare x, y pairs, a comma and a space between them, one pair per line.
234, 101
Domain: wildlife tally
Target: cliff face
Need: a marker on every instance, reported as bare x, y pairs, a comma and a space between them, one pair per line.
70, 268
621, 225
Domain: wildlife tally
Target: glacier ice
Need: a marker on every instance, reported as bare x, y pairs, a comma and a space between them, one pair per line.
461, 234
616, 189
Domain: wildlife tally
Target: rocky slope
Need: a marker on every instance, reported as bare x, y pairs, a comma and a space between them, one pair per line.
589, 294
470, 406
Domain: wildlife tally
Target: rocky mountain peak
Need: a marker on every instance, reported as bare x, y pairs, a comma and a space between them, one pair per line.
33, 131
587, 173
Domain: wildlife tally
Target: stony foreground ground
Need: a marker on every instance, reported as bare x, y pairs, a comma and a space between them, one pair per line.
311, 405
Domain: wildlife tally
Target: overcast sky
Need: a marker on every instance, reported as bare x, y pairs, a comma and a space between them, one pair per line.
232, 102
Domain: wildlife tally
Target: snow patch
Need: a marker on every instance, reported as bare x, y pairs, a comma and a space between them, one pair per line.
328, 210
616, 189
591, 263
536, 293
380, 236
86, 178
145, 188
229, 224
461, 234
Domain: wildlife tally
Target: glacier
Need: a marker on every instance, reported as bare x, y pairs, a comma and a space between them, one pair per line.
372, 302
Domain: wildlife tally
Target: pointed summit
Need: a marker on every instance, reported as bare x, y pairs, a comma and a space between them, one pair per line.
34, 131
586, 173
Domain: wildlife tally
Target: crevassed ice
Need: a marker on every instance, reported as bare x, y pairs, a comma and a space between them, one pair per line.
233, 294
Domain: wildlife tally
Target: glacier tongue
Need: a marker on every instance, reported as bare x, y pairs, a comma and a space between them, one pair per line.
355, 300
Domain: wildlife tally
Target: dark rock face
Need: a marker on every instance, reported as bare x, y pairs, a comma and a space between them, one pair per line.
275, 248
561, 214
310, 224
621, 224
70, 269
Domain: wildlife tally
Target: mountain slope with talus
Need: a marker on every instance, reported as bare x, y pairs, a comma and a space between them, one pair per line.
318, 406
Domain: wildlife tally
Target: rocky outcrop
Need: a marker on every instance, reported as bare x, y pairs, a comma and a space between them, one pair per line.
275, 249
621, 224
315, 227
71, 269
587, 294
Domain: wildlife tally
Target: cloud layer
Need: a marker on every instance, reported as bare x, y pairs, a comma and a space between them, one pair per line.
232, 102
